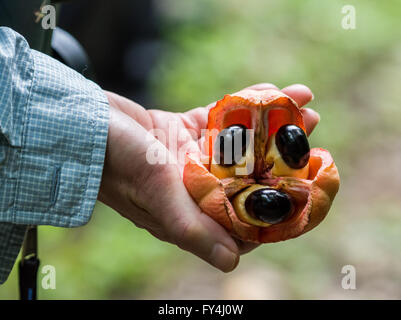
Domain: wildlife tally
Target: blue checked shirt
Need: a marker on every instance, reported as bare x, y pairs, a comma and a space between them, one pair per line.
53, 133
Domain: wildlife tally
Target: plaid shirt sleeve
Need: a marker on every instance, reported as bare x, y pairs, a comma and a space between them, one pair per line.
53, 133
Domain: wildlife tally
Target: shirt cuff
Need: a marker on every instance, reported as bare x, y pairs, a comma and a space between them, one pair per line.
59, 166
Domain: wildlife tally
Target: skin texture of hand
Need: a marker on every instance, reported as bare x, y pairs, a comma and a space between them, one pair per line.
153, 196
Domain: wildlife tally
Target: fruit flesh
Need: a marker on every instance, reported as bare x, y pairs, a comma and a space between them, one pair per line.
279, 166
243, 168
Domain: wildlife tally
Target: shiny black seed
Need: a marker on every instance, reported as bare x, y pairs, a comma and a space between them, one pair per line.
269, 205
293, 145
231, 145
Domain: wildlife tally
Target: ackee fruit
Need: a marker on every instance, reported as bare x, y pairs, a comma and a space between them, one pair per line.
262, 182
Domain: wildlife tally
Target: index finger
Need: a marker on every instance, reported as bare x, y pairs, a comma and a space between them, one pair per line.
300, 93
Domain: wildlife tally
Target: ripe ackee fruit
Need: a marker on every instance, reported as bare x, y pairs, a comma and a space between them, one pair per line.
262, 181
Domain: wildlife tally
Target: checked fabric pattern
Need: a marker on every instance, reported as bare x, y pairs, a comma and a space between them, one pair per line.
53, 134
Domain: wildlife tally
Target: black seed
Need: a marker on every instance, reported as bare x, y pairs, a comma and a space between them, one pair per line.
225, 145
269, 205
293, 145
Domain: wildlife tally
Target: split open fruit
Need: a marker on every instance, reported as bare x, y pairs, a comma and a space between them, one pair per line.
261, 181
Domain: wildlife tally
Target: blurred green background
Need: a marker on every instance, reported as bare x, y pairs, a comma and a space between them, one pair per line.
217, 47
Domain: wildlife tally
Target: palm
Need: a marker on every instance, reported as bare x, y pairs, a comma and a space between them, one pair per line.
187, 125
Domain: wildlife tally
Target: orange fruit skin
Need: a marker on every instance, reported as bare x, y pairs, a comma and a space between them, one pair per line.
312, 196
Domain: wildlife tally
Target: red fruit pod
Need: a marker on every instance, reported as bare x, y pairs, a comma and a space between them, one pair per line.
311, 195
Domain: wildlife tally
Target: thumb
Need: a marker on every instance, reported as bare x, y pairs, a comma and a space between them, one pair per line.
191, 230
205, 238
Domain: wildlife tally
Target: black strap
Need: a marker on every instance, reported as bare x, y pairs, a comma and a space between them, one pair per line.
29, 265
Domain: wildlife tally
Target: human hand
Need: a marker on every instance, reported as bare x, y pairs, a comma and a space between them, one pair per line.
153, 196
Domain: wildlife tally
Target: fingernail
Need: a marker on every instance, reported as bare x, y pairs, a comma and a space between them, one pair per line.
223, 258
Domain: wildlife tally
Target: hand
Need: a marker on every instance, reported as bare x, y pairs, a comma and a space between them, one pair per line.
153, 196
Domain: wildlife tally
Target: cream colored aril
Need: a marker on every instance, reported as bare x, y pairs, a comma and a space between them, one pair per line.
280, 168
243, 168
240, 209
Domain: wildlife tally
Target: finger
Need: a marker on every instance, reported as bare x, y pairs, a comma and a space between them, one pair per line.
300, 93
199, 116
245, 247
311, 118
262, 86
203, 237
190, 229
208, 240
